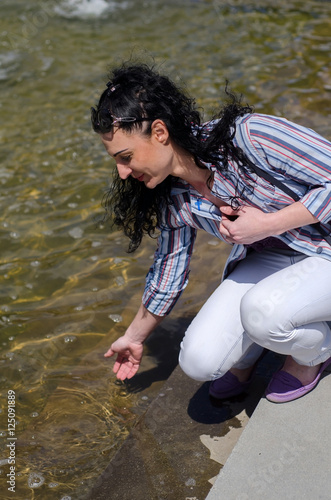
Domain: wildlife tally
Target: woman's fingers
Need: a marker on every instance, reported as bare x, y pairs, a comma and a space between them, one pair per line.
109, 353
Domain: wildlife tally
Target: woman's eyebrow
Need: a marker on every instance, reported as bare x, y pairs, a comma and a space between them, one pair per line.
118, 152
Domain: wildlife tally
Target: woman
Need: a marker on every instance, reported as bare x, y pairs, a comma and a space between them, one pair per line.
239, 177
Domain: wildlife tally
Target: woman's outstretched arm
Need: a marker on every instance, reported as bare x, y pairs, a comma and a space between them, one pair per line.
129, 347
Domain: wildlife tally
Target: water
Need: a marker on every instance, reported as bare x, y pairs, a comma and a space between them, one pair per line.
68, 287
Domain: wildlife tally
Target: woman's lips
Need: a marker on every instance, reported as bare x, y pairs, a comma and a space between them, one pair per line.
141, 178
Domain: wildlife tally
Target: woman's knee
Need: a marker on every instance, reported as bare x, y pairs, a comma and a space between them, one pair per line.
257, 313
265, 319
193, 362
199, 358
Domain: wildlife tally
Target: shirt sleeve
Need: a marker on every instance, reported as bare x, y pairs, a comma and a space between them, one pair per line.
298, 156
168, 275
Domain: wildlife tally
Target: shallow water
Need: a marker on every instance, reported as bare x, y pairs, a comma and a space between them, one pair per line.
68, 287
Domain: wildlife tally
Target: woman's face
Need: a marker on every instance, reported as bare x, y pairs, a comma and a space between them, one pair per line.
149, 159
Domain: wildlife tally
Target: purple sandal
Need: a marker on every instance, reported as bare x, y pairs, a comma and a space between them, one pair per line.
229, 385
285, 387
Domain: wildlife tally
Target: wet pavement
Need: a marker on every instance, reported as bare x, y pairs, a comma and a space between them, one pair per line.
179, 445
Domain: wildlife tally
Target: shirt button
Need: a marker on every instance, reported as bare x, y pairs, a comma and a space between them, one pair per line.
319, 250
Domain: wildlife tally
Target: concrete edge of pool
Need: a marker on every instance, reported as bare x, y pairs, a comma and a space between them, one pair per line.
285, 451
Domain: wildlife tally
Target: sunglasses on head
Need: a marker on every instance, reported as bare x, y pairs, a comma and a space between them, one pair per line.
103, 120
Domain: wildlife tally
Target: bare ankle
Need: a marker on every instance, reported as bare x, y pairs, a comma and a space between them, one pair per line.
305, 374
242, 374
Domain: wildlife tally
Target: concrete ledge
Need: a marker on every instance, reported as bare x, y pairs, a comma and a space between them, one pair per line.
284, 452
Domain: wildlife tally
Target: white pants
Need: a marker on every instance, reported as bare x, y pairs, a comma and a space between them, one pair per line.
277, 299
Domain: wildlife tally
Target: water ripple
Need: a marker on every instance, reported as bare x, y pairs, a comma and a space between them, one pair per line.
85, 9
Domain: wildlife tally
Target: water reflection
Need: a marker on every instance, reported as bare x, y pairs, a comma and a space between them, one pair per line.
66, 279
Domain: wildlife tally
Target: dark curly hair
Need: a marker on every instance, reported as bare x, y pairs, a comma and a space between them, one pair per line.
141, 93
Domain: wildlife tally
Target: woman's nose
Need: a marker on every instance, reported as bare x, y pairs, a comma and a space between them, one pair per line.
124, 171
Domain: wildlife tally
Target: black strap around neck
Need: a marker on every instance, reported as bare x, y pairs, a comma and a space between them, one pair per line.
268, 177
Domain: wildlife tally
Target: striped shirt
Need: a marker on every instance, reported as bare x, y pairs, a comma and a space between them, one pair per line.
297, 156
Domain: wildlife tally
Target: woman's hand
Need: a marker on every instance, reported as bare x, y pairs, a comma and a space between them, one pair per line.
129, 356
248, 224
129, 347
244, 225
